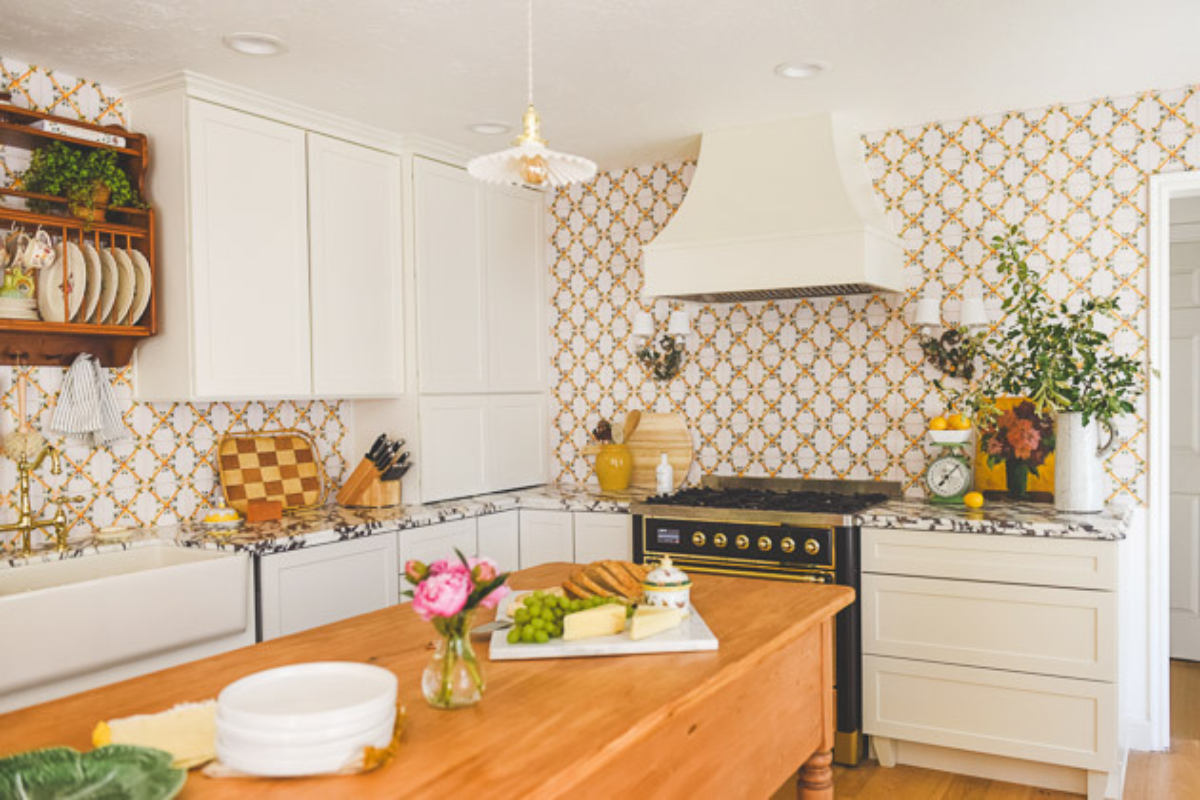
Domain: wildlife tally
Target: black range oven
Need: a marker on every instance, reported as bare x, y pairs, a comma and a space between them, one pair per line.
778, 528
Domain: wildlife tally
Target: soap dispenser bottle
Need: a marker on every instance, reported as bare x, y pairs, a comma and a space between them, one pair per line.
664, 475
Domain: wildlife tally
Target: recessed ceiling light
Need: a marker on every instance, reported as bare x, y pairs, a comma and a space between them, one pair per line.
490, 128
255, 44
800, 69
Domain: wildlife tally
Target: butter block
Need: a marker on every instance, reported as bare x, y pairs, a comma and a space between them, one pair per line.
599, 621
648, 621
188, 732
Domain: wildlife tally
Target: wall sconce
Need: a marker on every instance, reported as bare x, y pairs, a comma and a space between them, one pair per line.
954, 351
664, 357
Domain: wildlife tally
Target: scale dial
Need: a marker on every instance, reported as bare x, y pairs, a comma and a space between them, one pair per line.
948, 476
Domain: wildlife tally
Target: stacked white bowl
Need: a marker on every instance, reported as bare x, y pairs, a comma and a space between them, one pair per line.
305, 719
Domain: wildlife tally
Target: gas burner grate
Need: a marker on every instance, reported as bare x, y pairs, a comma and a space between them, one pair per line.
765, 500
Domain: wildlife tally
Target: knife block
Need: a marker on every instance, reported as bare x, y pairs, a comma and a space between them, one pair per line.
364, 489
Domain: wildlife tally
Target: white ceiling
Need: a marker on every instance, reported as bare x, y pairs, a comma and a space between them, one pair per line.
629, 81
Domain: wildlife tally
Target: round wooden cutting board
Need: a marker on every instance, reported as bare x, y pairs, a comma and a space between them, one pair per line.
654, 435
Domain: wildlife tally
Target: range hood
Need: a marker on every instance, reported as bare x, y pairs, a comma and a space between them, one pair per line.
775, 211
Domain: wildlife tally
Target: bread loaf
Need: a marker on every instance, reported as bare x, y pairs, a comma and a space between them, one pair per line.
607, 579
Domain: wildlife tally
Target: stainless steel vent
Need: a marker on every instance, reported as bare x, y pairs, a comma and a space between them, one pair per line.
794, 293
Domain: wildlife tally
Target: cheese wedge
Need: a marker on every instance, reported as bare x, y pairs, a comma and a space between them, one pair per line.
648, 621
188, 732
598, 621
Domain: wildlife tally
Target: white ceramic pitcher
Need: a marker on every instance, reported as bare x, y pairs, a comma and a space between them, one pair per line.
1079, 480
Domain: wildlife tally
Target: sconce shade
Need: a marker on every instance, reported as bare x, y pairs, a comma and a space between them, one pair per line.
643, 325
974, 315
928, 313
678, 323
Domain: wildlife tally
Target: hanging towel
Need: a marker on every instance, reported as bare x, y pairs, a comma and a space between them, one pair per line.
87, 407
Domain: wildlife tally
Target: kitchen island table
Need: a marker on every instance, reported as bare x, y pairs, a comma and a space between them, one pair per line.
733, 723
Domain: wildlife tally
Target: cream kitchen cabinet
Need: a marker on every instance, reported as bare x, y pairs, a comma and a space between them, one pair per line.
429, 543
312, 586
279, 251
993, 655
546, 536
481, 310
500, 539
603, 536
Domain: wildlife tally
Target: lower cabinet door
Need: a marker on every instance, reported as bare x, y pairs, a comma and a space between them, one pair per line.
432, 542
500, 539
313, 586
546, 536
1034, 717
600, 537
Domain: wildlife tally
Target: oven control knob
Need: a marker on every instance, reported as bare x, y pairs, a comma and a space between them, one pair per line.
743, 541
812, 546
698, 539
764, 543
788, 544
719, 539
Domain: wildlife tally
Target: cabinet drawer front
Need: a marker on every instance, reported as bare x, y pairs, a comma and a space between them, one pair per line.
441, 530
1055, 720
1006, 559
1067, 632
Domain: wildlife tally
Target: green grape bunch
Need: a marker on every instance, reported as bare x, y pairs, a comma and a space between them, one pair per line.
540, 618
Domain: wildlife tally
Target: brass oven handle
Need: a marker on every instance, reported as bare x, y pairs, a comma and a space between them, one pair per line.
764, 543
698, 539
719, 539
743, 541
812, 547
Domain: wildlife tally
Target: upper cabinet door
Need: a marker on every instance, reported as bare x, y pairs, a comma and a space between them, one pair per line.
516, 291
451, 281
356, 269
249, 240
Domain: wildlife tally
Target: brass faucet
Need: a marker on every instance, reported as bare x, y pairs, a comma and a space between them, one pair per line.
26, 524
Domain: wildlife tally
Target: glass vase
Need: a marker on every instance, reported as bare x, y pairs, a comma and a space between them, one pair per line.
453, 678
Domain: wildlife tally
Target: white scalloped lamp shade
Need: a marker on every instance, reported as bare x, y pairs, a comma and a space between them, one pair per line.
533, 165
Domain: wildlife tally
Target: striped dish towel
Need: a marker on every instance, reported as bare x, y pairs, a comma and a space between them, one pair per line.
86, 406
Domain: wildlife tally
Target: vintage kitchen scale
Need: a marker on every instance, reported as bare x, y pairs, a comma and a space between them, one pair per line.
950, 475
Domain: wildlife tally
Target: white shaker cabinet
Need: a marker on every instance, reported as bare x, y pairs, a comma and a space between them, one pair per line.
546, 536
429, 543
312, 586
516, 294
603, 537
500, 539
356, 269
279, 247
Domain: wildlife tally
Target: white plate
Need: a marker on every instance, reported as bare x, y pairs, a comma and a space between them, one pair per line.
308, 696
91, 295
50, 284
109, 278
141, 295
249, 739
126, 286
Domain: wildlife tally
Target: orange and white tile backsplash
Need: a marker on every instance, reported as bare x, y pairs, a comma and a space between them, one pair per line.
836, 387
166, 469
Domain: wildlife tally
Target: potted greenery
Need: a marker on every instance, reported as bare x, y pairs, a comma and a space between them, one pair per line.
90, 179
1056, 355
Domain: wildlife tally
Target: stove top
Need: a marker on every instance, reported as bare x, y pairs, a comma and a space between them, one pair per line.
797, 501
805, 502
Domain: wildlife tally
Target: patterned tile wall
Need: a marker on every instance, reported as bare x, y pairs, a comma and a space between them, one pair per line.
166, 469
836, 387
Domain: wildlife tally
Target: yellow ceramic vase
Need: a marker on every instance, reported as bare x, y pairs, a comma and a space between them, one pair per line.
614, 467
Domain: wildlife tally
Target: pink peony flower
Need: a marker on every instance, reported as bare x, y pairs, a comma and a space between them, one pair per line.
415, 571
442, 594
483, 569
448, 565
493, 598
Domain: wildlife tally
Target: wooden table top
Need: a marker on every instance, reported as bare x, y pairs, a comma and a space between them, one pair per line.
541, 725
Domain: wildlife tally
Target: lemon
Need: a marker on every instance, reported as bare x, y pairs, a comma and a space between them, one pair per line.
958, 422
938, 424
973, 500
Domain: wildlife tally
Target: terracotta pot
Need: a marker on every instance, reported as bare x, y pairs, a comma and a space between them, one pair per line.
101, 194
614, 467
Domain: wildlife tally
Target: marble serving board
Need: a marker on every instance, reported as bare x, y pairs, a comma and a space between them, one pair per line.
692, 636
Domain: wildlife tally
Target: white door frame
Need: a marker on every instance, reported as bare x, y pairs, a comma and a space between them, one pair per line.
1163, 189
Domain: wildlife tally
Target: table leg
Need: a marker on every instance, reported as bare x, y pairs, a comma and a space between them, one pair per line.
815, 781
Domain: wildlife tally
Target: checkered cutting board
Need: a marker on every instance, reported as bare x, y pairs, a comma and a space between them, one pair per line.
270, 466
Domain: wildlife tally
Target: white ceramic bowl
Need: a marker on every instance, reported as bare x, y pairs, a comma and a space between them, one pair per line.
307, 697
950, 437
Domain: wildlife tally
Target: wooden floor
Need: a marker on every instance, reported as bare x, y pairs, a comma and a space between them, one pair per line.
1151, 776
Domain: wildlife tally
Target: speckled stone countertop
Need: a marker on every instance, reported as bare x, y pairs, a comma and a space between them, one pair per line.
335, 524
999, 518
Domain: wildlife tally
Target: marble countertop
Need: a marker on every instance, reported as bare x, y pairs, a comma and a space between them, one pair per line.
1001, 518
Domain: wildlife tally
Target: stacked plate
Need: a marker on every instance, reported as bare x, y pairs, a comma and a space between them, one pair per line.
305, 719
18, 308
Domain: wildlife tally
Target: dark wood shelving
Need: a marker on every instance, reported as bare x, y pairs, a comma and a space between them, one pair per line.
37, 342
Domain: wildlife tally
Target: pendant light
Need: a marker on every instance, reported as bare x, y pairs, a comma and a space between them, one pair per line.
530, 162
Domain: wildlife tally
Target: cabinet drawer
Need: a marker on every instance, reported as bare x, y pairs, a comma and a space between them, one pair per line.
1067, 632
1077, 563
1033, 717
